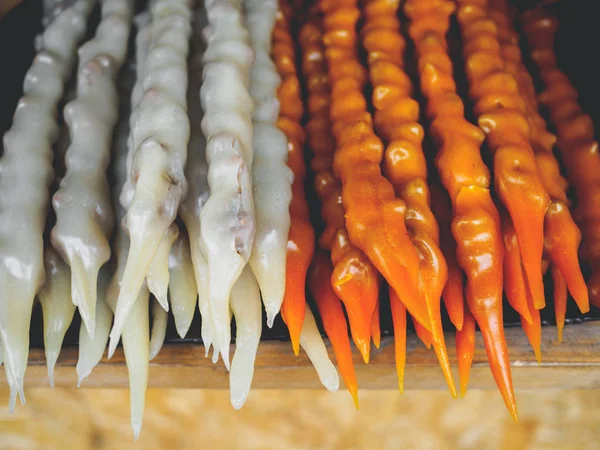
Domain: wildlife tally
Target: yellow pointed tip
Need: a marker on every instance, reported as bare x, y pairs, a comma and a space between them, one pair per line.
459, 327
514, 414
560, 333
296, 347
364, 348
354, 393
538, 355
401, 383
343, 280
463, 389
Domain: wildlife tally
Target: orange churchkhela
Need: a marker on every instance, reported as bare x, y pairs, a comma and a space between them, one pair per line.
374, 216
354, 278
476, 223
500, 110
562, 237
319, 275
576, 141
301, 239
396, 122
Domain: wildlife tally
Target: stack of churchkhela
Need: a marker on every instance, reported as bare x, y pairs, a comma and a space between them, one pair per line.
205, 134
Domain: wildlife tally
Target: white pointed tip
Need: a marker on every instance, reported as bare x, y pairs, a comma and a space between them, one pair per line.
225, 356
12, 400
51, 357
270, 321
89, 322
81, 374
237, 401
22, 394
112, 346
153, 353
215, 356
206, 350
137, 429
163, 302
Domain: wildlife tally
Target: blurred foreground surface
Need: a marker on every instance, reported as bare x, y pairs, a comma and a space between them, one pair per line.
191, 419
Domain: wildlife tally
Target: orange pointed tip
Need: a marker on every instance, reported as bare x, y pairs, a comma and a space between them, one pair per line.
527, 318
513, 412
463, 388
377, 341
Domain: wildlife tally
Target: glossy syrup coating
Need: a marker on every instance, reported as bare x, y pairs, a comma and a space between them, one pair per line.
476, 223
501, 113
354, 278
396, 122
562, 236
374, 216
575, 132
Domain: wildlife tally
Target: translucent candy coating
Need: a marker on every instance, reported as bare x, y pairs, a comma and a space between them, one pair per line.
135, 336
196, 172
92, 350
57, 308
312, 343
84, 218
246, 307
159, 328
26, 174
158, 275
501, 114
354, 278
576, 142
374, 216
301, 236
158, 149
399, 322
562, 236
396, 121
183, 291
271, 177
227, 222
476, 223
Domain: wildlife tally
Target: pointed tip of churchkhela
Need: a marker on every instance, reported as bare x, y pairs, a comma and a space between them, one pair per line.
158, 276
560, 300
364, 348
399, 322
84, 284
313, 345
465, 350
562, 243
376, 328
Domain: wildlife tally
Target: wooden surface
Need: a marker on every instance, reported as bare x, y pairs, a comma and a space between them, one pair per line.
574, 363
192, 419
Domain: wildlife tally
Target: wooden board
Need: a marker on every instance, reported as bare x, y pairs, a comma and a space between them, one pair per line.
574, 363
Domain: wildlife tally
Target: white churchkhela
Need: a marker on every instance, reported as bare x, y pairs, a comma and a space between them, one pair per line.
57, 308
84, 216
158, 149
135, 336
227, 217
26, 174
196, 172
182, 285
271, 177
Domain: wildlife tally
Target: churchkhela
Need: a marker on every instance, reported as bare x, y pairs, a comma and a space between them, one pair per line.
294, 156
